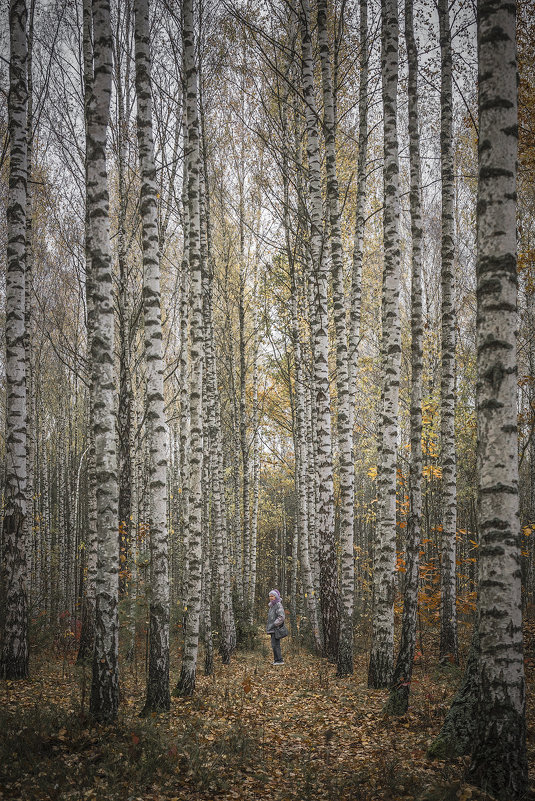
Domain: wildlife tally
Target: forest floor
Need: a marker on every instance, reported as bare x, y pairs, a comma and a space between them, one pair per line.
252, 731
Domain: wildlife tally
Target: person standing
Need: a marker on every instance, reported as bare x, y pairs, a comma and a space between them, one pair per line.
275, 625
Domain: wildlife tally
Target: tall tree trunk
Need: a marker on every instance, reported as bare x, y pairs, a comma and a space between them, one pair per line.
237, 521
186, 682
329, 596
530, 321
499, 762
381, 659
206, 591
301, 533
244, 446
355, 313
218, 516
29, 316
87, 635
105, 683
401, 681
256, 467
218, 522
124, 416
344, 430
133, 583
448, 611
158, 697
14, 658
184, 376
358, 247
256, 455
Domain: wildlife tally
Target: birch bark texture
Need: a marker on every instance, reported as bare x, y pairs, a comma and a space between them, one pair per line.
448, 610
398, 701
382, 651
158, 696
302, 532
124, 416
186, 682
87, 634
29, 314
14, 658
358, 245
499, 762
213, 426
344, 417
329, 597
105, 681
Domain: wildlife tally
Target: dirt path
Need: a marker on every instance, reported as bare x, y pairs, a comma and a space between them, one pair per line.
252, 731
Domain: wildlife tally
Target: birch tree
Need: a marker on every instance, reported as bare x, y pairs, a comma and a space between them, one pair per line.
158, 697
213, 424
29, 301
344, 417
124, 416
381, 658
329, 597
499, 762
186, 682
401, 681
105, 682
448, 612
87, 634
14, 658
356, 274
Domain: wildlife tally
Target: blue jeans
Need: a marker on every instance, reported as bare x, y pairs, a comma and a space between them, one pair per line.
276, 645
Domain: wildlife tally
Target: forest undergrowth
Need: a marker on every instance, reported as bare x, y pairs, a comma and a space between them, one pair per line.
251, 731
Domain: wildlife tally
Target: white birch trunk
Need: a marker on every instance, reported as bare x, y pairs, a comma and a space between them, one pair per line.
218, 523
134, 528
358, 247
530, 322
124, 415
301, 469
244, 447
382, 650
87, 635
448, 610
186, 682
344, 417
14, 657
29, 326
105, 683
237, 521
401, 682
325, 520
184, 370
256, 465
158, 696
184, 418
305, 300
499, 762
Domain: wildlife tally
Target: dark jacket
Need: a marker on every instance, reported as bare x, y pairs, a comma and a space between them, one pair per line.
275, 617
